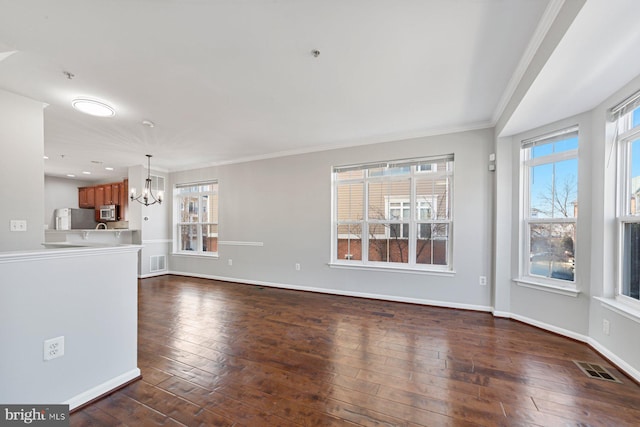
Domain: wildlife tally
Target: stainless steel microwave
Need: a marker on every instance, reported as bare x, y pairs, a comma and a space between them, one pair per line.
109, 213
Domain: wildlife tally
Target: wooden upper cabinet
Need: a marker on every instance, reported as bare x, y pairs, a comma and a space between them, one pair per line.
108, 199
116, 189
115, 193
100, 196
124, 200
86, 197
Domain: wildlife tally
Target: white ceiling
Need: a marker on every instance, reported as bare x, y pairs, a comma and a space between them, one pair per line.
598, 55
229, 80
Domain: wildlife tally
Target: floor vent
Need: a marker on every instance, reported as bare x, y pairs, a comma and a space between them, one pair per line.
157, 263
594, 370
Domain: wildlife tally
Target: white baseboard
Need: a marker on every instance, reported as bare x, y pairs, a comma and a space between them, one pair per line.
383, 297
102, 389
154, 274
542, 325
504, 314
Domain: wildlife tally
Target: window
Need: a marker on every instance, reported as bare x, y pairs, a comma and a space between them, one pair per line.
394, 214
197, 213
627, 117
550, 207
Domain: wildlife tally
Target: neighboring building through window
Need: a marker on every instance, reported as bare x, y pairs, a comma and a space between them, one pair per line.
395, 213
627, 117
197, 214
550, 206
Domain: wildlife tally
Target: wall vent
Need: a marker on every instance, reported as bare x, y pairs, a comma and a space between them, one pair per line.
593, 370
157, 183
157, 263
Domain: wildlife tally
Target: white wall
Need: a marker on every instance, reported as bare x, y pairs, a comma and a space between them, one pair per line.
21, 171
285, 205
60, 193
76, 294
152, 221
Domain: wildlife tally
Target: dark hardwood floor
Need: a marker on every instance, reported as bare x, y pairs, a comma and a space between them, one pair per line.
222, 354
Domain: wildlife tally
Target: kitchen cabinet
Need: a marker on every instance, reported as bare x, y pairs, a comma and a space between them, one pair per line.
86, 197
114, 193
124, 200
108, 194
116, 189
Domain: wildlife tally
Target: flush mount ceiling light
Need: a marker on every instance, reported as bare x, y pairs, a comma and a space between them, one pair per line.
93, 107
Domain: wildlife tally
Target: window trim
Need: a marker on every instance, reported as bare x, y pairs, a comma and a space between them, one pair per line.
412, 176
626, 135
525, 278
178, 224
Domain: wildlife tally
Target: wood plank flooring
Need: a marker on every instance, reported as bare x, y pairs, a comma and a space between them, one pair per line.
223, 354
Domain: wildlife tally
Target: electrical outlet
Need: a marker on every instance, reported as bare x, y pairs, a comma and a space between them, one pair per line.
605, 326
18, 225
230, 261
54, 348
483, 280
297, 267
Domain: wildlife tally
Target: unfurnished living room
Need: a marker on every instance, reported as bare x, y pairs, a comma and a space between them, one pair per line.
304, 212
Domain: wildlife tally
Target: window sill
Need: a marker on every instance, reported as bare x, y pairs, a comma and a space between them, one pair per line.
195, 255
449, 273
546, 287
620, 308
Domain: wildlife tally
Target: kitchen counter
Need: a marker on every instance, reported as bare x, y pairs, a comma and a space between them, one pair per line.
83, 237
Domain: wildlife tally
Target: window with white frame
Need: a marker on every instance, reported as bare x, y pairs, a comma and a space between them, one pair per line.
550, 207
196, 207
627, 117
395, 214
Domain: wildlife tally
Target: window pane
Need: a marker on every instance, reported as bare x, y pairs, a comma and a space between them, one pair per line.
631, 264
554, 190
636, 118
432, 244
553, 146
389, 250
382, 192
209, 238
350, 202
634, 178
551, 252
350, 242
432, 197
391, 171
188, 237
541, 150
566, 144
189, 209
353, 174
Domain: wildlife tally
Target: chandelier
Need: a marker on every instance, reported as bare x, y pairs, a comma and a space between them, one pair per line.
147, 193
